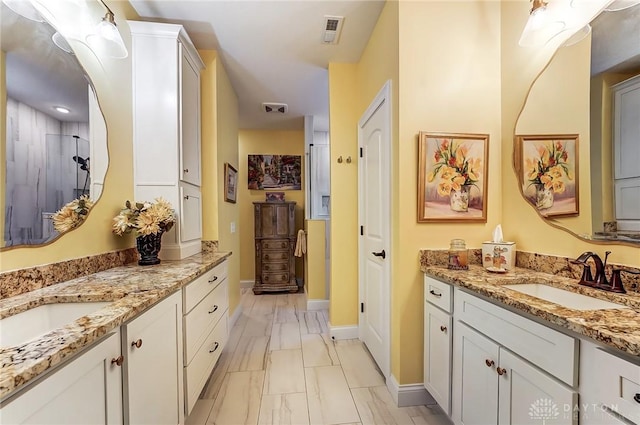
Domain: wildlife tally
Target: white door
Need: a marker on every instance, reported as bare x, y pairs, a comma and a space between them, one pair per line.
374, 139
437, 355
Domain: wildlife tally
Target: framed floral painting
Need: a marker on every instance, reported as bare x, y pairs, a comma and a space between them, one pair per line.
230, 183
452, 177
548, 172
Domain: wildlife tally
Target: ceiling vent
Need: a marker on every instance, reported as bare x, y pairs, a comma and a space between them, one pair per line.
278, 108
332, 29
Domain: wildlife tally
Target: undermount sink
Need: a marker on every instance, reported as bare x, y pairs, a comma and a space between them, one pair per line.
564, 298
22, 327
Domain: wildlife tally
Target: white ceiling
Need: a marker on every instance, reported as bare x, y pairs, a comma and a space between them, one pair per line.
272, 50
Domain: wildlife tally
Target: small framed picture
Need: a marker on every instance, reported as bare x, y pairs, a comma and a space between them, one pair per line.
452, 177
548, 172
230, 183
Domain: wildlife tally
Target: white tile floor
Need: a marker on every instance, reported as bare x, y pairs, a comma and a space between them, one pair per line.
281, 367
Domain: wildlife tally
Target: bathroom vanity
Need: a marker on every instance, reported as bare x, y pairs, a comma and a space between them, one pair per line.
493, 354
140, 352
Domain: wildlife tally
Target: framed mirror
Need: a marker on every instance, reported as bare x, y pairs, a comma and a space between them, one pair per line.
55, 150
605, 126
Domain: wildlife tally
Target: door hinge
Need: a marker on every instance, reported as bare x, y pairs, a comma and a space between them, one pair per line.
361, 230
361, 307
361, 153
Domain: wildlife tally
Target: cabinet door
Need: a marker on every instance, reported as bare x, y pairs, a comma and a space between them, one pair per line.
475, 384
189, 120
154, 391
437, 355
528, 395
88, 390
191, 208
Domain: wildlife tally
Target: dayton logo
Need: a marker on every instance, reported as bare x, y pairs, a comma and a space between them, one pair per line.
543, 409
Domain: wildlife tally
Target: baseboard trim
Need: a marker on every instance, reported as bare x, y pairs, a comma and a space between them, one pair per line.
246, 283
409, 394
313, 305
235, 316
343, 332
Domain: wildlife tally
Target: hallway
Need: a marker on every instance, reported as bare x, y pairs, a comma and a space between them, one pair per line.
280, 367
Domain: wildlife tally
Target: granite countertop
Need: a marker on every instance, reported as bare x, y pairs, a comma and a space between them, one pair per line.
618, 328
132, 290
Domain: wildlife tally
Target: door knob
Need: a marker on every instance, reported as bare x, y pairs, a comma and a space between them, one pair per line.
443, 328
489, 363
501, 371
117, 361
137, 343
380, 254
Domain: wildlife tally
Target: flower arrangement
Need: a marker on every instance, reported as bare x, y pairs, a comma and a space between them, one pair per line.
145, 218
455, 167
549, 167
72, 214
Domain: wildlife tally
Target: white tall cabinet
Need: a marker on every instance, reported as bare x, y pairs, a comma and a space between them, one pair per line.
166, 128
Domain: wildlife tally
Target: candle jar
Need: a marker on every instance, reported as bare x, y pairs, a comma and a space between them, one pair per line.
458, 255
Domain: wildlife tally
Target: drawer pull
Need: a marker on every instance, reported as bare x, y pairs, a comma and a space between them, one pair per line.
501, 371
443, 328
118, 361
186, 170
137, 343
637, 397
284, 278
215, 347
284, 256
214, 279
266, 267
283, 245
266, 256
266, 278
186, 197
489, 363
432, 292
215, 308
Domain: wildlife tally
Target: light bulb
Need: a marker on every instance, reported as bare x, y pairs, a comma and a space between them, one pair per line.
106, 39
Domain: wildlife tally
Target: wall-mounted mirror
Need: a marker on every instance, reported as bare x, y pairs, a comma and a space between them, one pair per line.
56, 142
606, 122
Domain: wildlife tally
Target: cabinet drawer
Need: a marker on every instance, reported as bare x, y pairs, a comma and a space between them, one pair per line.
198, 371
275, 278
275, 256
546, 348
275, 267
619, 383
199, 322
279, 244
195, 291
438, 293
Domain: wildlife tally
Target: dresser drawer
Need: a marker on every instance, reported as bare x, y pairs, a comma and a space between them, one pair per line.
204, 316
195, 291
275, 267
197, 372
546, 348
278, 244
619, 384
275, 278
438, 293
268, 256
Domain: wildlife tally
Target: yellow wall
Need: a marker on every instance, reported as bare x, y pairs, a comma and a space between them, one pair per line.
264, 142
220, 145
314, 262
112, 81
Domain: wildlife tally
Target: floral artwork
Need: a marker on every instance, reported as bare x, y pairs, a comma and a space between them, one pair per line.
549, 173
230, 183
283, 172
145, 218
452, 177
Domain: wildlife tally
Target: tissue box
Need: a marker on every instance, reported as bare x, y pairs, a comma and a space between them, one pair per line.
499, 255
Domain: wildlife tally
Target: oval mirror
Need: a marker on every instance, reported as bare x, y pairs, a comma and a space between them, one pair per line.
56, 143
587, 141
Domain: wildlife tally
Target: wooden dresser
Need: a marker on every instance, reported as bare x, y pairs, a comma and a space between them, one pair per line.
275, 238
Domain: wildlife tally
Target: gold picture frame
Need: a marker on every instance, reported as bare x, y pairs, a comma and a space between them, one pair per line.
452, 177
547, 168
230, 183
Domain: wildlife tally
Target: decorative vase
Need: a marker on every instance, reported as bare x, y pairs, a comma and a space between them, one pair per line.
149, 248
544, 196
459, 199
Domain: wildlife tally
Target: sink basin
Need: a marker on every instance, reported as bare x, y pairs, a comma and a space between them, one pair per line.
22, 327
564, 298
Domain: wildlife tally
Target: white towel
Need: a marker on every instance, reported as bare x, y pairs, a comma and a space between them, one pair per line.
301, 244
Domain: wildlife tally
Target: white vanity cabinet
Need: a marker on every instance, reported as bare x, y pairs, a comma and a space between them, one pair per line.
88, 390
206, 305
166, 128
152, 347
438, 341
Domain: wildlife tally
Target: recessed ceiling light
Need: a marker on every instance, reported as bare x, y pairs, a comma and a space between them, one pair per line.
62, 109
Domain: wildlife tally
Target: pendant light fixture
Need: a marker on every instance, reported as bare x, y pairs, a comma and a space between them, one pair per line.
106, 38
541, 26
